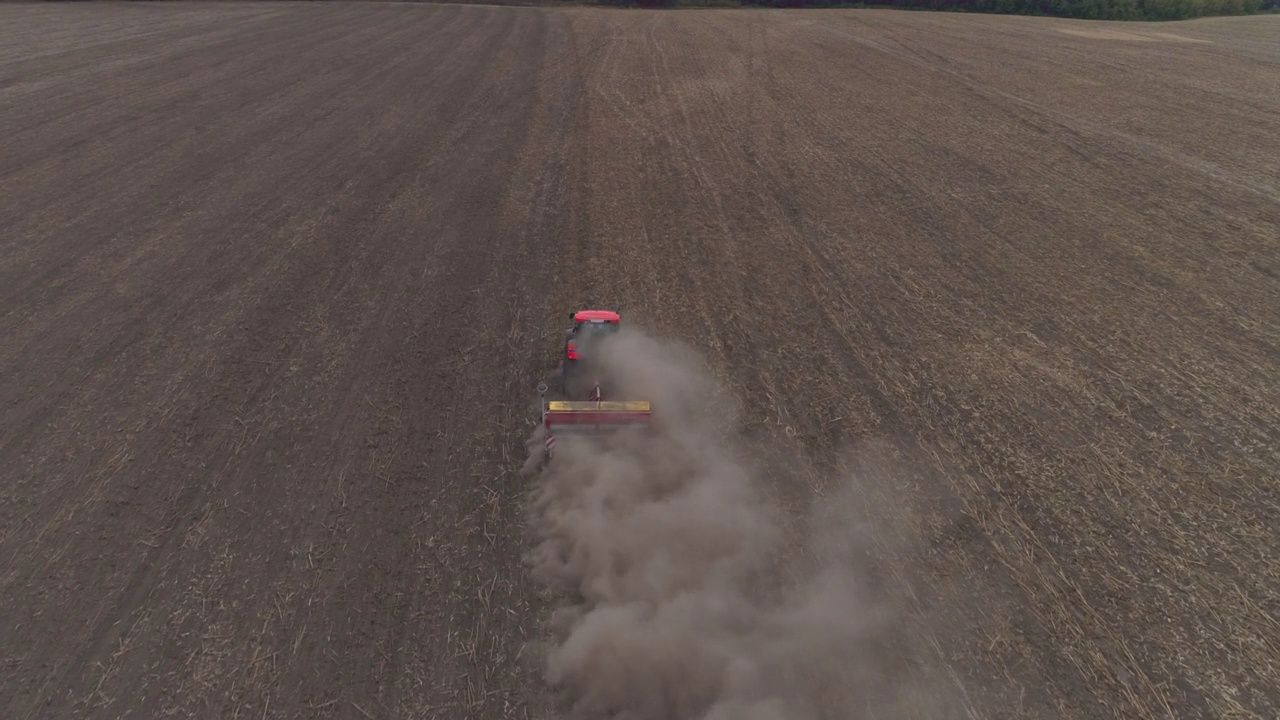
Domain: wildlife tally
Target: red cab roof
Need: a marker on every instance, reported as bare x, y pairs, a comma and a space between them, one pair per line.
587, 315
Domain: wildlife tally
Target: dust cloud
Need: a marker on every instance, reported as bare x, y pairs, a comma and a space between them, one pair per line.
683, 593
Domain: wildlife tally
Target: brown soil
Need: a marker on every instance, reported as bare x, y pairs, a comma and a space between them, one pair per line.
276, 281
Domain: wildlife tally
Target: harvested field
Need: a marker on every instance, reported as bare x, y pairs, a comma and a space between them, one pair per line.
277, 281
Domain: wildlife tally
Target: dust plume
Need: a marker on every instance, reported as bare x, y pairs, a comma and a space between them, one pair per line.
682, 592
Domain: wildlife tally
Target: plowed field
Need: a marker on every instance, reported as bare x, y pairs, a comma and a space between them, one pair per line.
276, 282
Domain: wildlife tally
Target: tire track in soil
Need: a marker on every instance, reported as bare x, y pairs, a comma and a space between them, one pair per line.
912, 251
1182, 531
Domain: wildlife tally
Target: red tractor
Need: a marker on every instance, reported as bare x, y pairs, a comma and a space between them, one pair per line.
580, 377
585, 411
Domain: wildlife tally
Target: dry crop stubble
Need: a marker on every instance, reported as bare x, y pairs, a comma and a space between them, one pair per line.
927, 230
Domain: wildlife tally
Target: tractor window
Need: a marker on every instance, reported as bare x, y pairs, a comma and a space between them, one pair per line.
596, 328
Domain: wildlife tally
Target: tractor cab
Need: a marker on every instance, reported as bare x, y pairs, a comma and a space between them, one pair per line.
591, 322
589, 328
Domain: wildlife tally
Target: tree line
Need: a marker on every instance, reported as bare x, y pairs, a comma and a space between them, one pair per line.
1085, 9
